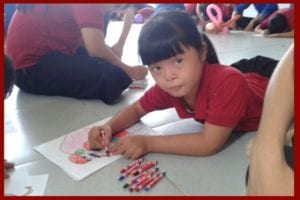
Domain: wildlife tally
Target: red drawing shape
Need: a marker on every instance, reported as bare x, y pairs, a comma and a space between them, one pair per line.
77, 159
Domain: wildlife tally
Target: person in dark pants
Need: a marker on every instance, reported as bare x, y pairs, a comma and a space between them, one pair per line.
261, 65
42, 41
249, 23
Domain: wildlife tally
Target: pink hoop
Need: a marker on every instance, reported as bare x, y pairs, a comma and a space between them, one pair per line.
216, 19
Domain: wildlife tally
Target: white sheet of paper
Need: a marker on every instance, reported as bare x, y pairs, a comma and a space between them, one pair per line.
39, 183
21, 184
52, 150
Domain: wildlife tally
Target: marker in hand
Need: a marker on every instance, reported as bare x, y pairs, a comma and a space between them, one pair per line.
103, 142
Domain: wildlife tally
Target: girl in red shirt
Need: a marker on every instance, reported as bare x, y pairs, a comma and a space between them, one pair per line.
189, 78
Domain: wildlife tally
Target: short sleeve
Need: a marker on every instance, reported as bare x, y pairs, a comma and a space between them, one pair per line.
155, 99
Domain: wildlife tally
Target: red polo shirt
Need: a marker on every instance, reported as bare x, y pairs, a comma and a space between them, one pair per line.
49, 27
225, 97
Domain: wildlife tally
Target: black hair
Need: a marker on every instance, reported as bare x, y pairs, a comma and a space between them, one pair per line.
9, 76
278, 24
162, 35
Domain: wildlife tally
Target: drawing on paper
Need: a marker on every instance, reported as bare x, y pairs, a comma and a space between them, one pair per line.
76, 145
71, 152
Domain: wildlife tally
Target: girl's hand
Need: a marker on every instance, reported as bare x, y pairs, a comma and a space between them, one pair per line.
96, 141
131, 147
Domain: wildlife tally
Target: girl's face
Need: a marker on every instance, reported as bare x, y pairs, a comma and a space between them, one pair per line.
180, 75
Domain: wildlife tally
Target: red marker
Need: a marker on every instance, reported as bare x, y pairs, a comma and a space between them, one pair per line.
129, 171
139, 182
141, 177
145, 167
124, 169
134, 181
103, 142
155, 180
143, 183
138, 188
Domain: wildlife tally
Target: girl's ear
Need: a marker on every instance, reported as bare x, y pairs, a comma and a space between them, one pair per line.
203, 52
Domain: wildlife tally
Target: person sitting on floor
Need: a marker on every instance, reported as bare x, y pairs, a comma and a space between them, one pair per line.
279, 24
43, 42
249, 23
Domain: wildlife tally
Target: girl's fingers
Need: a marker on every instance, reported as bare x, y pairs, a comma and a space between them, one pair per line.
95, 139
119, 148
107, 135
115, 149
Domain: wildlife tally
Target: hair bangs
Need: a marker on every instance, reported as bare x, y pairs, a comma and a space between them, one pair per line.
164, 35
160, 49
159, 43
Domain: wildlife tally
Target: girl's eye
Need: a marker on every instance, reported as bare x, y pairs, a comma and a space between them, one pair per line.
178, 60
155, 68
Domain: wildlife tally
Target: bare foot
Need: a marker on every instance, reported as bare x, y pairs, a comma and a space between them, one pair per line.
138, 72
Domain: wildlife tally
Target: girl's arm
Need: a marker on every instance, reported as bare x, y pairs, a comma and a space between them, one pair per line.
289, 34
269, 172
204, 143
126, 118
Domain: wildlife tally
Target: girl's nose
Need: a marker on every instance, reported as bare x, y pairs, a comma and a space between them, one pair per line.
169, 74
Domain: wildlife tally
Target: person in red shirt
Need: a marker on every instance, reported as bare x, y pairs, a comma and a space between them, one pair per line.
189, 78
43, 42
279, 24
203, 18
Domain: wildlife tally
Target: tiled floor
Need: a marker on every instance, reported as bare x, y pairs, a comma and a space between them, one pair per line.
35, 119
